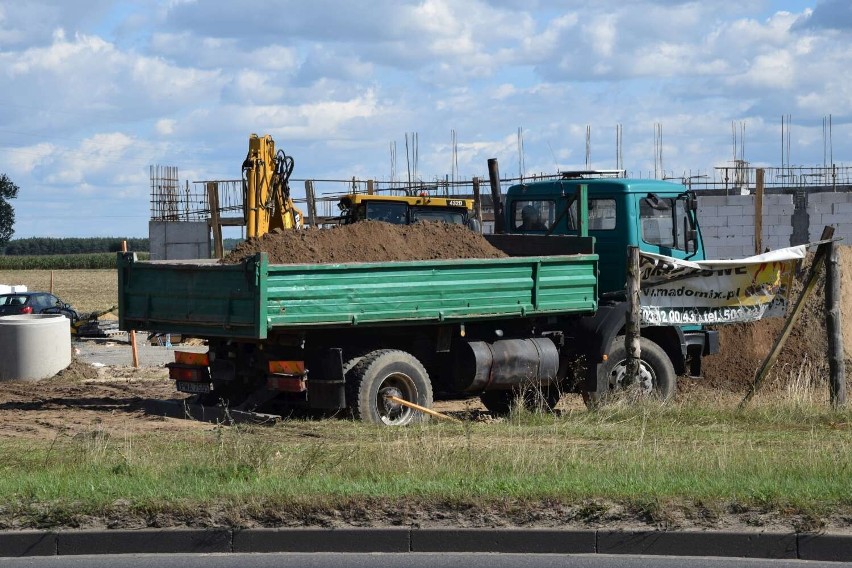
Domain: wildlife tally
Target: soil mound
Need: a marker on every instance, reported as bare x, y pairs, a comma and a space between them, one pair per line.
368, 241
804, 357
78, 371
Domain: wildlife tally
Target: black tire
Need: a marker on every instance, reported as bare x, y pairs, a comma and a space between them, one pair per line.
388, 372
658, 378
498, 402
535, 399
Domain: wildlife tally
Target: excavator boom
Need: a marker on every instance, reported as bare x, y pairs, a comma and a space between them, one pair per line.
266, 189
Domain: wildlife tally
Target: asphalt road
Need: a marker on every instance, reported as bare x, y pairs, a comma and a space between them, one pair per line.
408, 560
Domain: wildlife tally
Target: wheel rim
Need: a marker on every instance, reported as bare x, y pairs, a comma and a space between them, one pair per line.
401, 386
643, 384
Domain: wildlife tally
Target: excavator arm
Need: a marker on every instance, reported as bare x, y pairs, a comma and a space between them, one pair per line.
266, 189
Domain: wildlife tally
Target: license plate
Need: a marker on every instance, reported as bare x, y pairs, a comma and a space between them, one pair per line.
186, 386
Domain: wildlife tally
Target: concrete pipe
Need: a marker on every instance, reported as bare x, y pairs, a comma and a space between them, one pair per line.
34, 346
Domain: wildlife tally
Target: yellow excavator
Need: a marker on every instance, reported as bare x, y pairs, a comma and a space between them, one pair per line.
266, 188
268, 205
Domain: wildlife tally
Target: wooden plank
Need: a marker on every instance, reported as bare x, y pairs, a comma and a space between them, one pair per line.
631, 340
215, 225
758, 212
477, 202
310, 196
834, 329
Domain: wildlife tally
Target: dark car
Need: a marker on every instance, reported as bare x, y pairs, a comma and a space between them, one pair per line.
35, 303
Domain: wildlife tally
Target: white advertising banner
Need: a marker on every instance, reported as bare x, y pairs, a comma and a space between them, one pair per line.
683, 292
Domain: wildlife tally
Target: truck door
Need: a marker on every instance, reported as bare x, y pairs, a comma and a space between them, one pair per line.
667, 226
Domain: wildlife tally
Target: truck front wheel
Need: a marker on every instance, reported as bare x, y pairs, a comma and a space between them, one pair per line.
656, 374
386, 373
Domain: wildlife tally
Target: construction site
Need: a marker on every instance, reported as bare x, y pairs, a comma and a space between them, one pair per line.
375, 331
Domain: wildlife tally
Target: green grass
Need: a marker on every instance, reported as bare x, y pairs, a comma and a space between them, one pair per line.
100, 260
796, 458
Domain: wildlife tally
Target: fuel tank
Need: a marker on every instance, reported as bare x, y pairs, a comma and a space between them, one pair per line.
506, 363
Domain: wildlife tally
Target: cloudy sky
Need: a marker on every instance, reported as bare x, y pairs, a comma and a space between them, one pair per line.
96, 91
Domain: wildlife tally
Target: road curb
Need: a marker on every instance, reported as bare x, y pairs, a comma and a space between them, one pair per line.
802, 546
551, 541
323, 540
689, 543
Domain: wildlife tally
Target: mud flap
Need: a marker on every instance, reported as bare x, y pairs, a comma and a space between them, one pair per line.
595, 380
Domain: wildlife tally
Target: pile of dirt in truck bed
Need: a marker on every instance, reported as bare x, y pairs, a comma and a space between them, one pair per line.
804, 358
368, 241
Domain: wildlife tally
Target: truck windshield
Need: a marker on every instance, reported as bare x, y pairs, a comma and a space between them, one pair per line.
452, 216
396, 213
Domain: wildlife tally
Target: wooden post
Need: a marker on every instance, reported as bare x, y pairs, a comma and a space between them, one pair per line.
215, 222
834, 328
371, 187
758, 211
810, 282
631, 339
496, 196
312, 202
132, 333
51, 281
477, 203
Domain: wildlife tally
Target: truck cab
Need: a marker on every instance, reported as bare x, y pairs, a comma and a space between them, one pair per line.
657, 216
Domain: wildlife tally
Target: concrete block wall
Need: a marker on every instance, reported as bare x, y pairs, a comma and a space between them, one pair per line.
179, 240
777, 221
727, 224
833, 209
727, 221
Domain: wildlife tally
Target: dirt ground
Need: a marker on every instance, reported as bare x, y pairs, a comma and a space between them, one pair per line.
84, 399
804, 358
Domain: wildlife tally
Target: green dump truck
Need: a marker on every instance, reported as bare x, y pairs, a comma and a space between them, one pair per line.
350, 335
363, 336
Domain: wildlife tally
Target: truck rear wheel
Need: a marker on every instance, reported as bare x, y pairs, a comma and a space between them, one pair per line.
384, 373
534, 398
656, 378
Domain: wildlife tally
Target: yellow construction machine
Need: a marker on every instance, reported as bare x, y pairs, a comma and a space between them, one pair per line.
405, 210
268, 205
266, 189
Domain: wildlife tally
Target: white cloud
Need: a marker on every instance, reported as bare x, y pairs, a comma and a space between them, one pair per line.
165, 126
97, 90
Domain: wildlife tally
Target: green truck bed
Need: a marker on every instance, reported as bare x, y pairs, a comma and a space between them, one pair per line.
252, 299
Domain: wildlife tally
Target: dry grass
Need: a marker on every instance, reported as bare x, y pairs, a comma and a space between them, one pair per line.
790, 460
86, 290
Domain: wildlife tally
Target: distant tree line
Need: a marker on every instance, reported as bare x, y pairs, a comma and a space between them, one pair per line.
229, 244
37, 246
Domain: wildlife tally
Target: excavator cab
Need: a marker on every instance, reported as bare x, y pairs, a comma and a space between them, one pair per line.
405, 210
